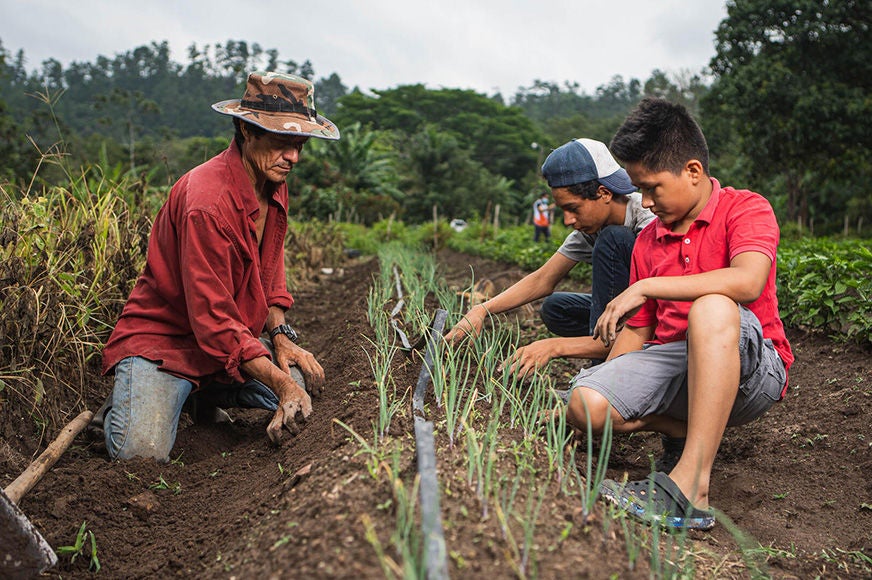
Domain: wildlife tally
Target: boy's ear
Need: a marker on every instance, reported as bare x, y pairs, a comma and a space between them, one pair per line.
694, 170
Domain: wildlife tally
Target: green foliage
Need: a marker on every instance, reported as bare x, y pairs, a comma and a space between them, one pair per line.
353, 179
514, 245
458, 150
564, 113
497, 137
791, 100
68, 258
824, 284
359, 237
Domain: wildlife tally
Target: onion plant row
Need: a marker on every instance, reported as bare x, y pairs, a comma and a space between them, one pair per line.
511, 430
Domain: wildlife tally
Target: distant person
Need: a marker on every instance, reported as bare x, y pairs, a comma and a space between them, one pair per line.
542, 218
214, 282
703, 347
600, 204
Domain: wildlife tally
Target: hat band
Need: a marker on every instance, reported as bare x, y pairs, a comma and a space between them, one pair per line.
280, 106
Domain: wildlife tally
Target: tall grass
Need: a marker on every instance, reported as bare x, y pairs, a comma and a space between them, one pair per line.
68, 257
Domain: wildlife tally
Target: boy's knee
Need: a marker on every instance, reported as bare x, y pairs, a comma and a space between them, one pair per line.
552, 311
616, 238
713, 313
587, 407
617, 235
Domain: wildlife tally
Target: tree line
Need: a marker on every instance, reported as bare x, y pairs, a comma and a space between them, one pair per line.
784, 104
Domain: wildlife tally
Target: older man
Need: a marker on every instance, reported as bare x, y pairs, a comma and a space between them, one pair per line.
214, 281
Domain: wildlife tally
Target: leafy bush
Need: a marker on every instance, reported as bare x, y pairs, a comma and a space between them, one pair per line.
824, 284
68, 259
514, 245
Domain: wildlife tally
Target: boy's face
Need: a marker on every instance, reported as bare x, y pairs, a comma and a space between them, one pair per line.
585, 215
675, 199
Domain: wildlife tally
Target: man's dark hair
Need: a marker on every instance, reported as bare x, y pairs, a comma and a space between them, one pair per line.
590, 189
660, 135
254, 130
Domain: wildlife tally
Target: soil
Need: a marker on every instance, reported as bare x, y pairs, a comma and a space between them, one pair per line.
798, 481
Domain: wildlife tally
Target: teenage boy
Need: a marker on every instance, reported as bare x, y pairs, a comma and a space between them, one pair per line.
605, 213
703, 347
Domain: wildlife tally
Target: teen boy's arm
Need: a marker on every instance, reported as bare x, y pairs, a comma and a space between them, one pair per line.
743, 281
531, 287
537, 354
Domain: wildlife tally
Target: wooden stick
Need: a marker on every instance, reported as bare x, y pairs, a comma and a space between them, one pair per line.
34, 472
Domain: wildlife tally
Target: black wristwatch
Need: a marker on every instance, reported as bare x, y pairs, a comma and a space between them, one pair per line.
285, 329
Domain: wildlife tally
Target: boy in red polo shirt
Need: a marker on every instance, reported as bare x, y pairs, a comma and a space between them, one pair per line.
703, 347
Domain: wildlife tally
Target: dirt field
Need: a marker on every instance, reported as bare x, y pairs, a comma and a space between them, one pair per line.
798, 481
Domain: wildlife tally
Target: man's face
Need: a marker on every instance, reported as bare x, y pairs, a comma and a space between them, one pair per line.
585, 215
272, 155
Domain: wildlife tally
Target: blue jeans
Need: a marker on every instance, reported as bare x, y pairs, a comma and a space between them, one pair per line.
147, 403
575, 313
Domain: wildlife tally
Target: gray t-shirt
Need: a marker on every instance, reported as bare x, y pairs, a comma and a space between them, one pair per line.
578, 246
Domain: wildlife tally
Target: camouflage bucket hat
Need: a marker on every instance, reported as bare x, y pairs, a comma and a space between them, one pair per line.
280, 103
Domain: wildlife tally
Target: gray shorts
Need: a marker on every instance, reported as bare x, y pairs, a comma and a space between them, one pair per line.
653, 381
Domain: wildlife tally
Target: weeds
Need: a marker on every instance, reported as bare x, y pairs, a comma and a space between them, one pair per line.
85, 544
162, 484
370, 450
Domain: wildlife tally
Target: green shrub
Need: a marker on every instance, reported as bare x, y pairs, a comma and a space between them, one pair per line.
68, 259
824, 284
514, 245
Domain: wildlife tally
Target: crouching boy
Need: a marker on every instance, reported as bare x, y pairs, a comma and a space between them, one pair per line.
703, 347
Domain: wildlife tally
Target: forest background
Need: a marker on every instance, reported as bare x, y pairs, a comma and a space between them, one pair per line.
785, 104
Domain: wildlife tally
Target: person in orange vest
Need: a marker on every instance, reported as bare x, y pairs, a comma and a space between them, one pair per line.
542, 217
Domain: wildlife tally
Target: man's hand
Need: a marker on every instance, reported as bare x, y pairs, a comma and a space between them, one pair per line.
289, 354
530, 358
469, 325
293, 399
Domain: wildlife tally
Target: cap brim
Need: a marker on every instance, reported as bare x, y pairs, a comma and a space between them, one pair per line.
618, 182
284, 124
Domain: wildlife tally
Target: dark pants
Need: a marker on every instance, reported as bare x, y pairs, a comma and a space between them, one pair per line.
574, 313
541, 231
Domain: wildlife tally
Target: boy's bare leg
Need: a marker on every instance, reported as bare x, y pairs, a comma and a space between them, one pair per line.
713, 371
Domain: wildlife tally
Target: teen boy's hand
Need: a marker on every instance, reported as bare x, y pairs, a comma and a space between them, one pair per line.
621, 308
531, 357
469, 325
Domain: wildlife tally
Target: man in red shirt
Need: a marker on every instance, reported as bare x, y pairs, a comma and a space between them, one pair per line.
214, 281
703, 347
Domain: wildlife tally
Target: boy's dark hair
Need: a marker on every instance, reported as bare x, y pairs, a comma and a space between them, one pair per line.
662, 136
589, 189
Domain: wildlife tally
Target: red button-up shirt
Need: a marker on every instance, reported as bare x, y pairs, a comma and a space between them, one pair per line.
203, 298
733, 221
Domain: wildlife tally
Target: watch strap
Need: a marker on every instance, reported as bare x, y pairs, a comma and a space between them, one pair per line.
285, 329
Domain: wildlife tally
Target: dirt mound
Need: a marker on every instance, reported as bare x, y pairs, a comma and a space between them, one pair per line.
231, 505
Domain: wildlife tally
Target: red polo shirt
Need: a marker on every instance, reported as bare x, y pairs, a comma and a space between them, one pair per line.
733, 221
203, 298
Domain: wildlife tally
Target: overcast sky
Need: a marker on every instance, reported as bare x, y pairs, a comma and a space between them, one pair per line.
489, 46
